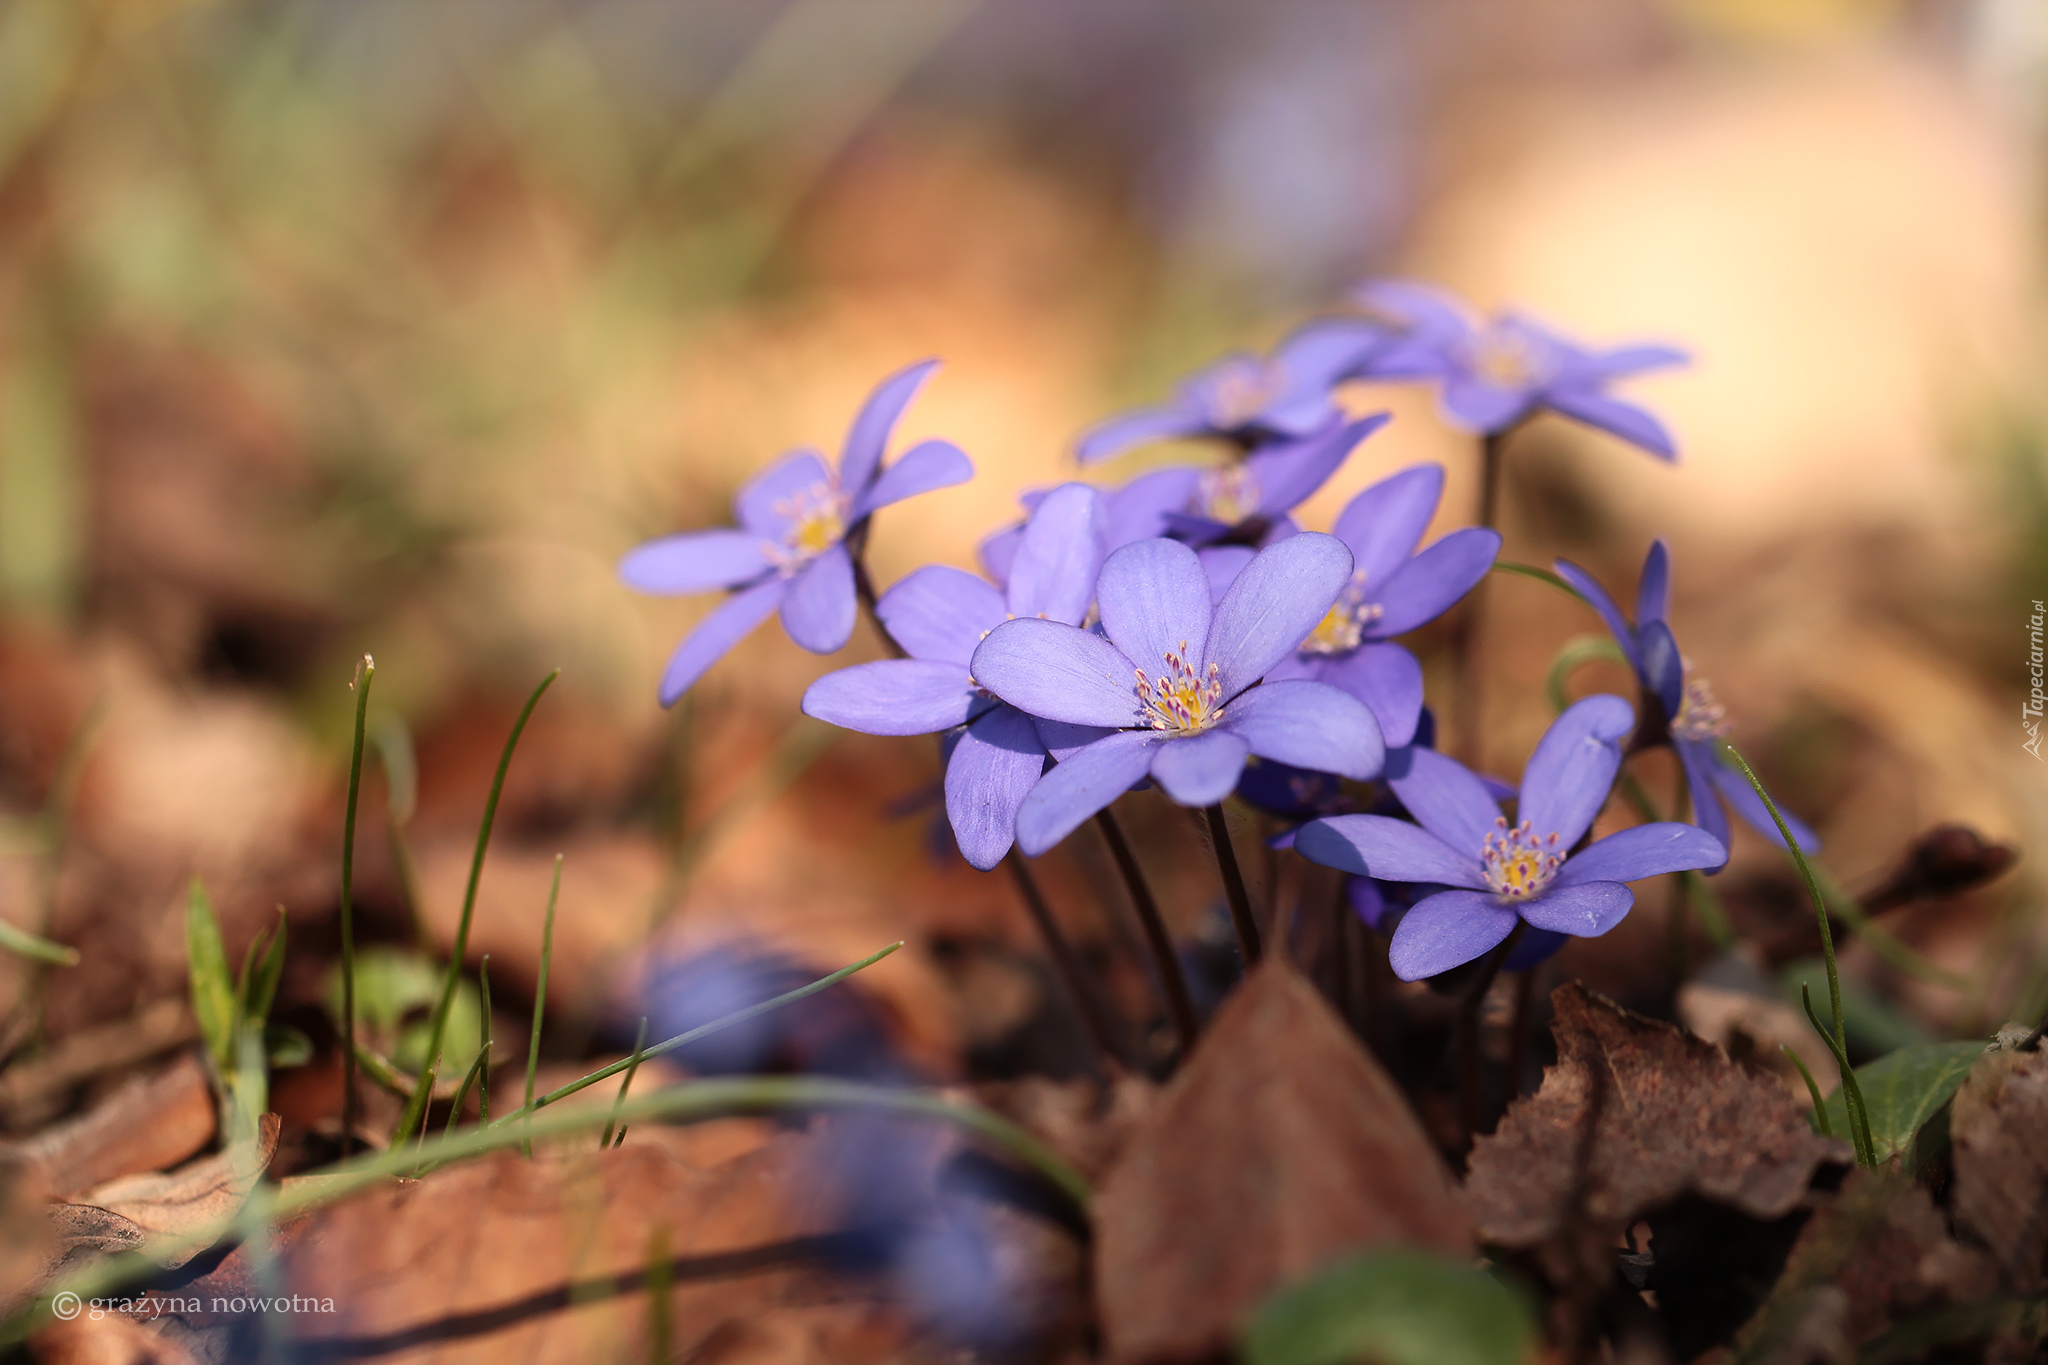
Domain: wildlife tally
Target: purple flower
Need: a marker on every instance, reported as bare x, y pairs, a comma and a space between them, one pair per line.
1392, 591
1679, 704
938, 615
790, 548
1497, 872
1248, 400
1498, 372
1176, 680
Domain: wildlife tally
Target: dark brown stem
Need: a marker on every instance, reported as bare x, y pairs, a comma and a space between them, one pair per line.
1064, 960
1521, 1030
1173, 984
1674, 915
864, 588
1233, 886
1491, 447
1471, 1111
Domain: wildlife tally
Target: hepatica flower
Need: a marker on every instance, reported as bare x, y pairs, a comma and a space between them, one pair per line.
1683, 710
1392, 590
1497, 372
1248, 399
1177, 681
938, 615
789, 550
1499, 873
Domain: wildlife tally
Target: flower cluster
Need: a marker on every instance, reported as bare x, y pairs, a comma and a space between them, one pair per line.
1182, 630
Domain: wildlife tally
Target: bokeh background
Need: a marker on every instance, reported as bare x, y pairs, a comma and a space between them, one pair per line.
387, 325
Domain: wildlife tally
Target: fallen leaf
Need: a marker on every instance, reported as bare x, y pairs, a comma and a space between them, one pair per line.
109, 1339
1280, 1144
154, 1029
203, 1192
2001, 1182
148, 1123
1876, 1253
1635, 1114
1901, 1091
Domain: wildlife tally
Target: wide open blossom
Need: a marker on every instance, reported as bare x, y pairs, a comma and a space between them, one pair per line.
1683, 711
938, 615
1497, 372
1392, 591
1497, 873
1249, 400
789, 550
1177, 680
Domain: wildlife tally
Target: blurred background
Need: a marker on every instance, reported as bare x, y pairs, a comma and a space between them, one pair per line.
387, 325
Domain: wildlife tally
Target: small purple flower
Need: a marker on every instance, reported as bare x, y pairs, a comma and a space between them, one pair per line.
938, 615
1498, 372
1497, 872
1177, 679
1392, 591
790, 548
1245, 399
1679, 704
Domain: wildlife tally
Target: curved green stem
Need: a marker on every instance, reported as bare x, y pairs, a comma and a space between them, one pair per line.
366, 672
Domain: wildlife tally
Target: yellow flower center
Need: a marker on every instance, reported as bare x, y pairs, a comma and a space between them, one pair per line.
1228, 495
817, 522
1518, 863
1507, 359
1343, 625
1181, 699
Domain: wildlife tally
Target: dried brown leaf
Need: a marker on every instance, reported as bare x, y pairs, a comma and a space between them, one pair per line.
1280, 1144
1635, 1114
202, 1192
1876, 1253
110, 1339
148, 1123
2001, 1186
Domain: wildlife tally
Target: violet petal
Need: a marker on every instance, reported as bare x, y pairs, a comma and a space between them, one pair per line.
1447, 930
1383, 525
717, 633
818, 612
1569, 776
940, 613
1057, 671
1309, 725
1583, 910
1644, 851
1386, 677
694, 561
1432, 583
922, 468
1201, 769
1444, 796
1389, 849
1154, 599
1274, 603
992, 769
1060, 557
868, 436
893, 697
767, 502
1080, 786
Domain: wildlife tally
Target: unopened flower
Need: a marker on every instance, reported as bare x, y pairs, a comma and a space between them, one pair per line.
1392, 590
1499, 873
1176, 679
789, 550
1496, 372
1681, 704
1250, 400
938, 615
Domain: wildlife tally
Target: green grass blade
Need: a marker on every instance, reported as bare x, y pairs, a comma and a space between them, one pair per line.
604, 1140
483, 1084
439, 1023
702, 1030
22, 943
213, 989
366, 672
1540, 575
540, 994
1820, 1109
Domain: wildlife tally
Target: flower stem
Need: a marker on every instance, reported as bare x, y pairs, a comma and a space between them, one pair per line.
1491, 447
1471, 1111
365, 672
1065, 961
1233, 886
439, 1023
1465, 631
1852, 1092
1173, 984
